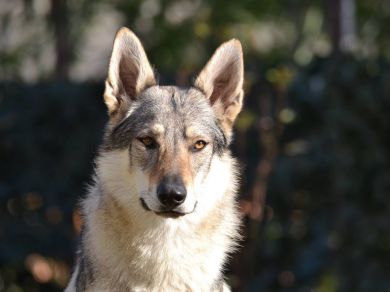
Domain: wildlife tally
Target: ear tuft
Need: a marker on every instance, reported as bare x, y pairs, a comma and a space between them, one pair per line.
129, 72
221, 80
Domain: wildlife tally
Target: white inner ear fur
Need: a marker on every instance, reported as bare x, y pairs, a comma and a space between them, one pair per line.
128, 74
221, 80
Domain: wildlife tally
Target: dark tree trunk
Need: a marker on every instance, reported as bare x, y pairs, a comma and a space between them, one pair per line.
333, 13
59, 21
340, 23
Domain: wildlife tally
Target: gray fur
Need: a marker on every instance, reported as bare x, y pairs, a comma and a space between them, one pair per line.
174, 108
86, 274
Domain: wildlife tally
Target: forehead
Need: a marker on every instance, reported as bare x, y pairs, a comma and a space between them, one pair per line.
172, 108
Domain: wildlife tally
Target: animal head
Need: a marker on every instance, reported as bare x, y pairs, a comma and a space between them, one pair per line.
161, 141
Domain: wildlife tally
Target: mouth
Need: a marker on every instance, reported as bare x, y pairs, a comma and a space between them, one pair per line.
167, 213
170, 214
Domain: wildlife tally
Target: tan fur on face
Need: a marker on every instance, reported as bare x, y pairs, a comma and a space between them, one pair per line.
184, 167
173, 163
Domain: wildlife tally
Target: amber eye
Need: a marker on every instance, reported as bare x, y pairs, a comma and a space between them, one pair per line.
148, 142
199, 145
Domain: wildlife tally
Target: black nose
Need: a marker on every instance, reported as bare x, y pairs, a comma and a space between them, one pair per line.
171, 191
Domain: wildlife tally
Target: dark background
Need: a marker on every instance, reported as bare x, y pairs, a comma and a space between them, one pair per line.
313, 139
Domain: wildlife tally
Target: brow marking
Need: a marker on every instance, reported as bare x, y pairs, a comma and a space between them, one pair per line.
158, 129
190, 132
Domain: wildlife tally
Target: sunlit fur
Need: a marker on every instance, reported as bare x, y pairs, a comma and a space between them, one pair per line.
154, 253
125, 244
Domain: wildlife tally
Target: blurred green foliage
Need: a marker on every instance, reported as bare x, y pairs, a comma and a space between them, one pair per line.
328, 216
314, 130
48, 39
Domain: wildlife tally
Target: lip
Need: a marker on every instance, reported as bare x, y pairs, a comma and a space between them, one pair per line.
168, 213
143, 204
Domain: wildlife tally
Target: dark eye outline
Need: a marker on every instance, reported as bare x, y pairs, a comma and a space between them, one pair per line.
148, 142
201, 143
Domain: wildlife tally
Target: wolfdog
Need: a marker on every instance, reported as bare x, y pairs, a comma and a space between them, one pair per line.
161, 214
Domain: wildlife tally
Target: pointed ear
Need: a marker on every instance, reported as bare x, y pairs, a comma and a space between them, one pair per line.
221, 81
128, 74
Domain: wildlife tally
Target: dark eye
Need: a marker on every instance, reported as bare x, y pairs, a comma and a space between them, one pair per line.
199, 145
148, 142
